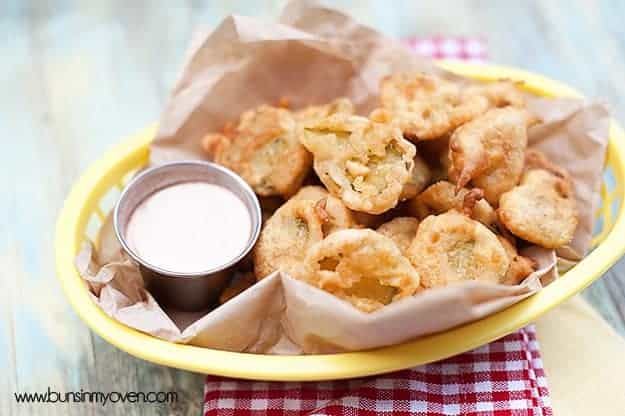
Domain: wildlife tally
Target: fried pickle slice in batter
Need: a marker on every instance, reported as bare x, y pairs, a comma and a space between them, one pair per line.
420, 177
317, 112
340, 216
442, 197
331, 210
364, 163
499, 94
402, 230
310, 193
362, 267
489, 151
541, 210
450, 248
520, 266
286, 238
264, 149
535, 159
425, 106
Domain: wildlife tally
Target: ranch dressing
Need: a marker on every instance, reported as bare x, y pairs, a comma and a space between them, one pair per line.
189, 227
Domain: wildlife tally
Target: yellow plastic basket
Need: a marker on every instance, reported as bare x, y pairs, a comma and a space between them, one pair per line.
96, 191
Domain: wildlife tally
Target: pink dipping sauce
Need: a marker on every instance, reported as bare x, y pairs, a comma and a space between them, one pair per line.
189, 227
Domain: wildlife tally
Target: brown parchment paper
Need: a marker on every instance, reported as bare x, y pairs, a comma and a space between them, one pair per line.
312, 55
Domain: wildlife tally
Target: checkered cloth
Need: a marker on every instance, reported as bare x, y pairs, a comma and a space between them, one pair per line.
437, 47
505, 377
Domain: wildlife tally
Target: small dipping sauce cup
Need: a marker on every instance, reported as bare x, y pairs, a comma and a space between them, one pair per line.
184, 290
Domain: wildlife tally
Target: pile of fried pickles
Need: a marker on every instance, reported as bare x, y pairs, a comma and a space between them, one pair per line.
436, 186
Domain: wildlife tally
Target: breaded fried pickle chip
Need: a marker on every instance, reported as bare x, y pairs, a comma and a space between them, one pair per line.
364, 163
489, 151
535, 159
520, 266
499, 93
541, 210
317, 112
310, 193
420, 176
362, 267
264, 149
425, 106
451, 248
442, 197
340, 216
286, 238
333, 213
402, 230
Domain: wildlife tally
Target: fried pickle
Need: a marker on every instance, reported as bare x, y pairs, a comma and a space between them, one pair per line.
442, 197
317, 112
333, 213
499, 94
541, 210
450, 248
286, 238
402, 230
425, 106
264, 149
520, 266
489, 151
420, 177
362, 267
535, 159
364, 163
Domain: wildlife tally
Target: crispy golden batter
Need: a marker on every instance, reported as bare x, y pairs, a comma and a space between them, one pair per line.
264, 149
216, 145
490, 151
535, 159
451, 248
420, 177
310, 193
520, 266
317, 112
349, 219
501, 93
402, 230
237, 286
541, 209
442, 197
362, 267
365, 164
340, 217
425, 106
286, 238
333, 213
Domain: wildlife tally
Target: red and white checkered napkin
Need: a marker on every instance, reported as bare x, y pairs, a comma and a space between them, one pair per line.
505, 377
439, 47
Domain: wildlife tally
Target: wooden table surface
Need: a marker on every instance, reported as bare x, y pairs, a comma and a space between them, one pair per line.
77, 76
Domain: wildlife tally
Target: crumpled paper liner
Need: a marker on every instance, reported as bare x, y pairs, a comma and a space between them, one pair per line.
315, 54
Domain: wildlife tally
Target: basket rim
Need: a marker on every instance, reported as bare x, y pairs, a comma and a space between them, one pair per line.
342, 365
